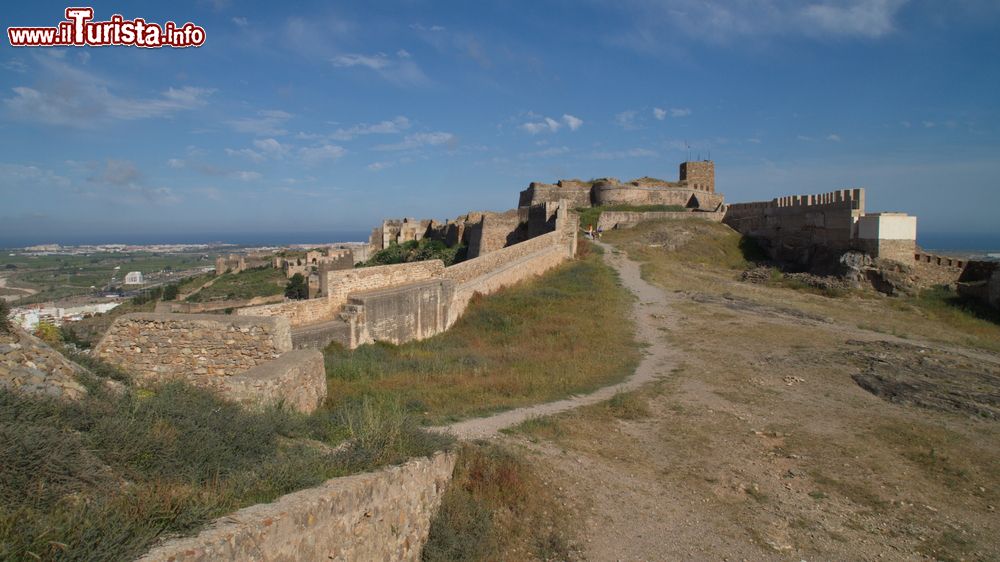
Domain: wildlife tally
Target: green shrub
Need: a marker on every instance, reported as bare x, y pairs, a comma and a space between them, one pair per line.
411, 251
5, 323
297, 288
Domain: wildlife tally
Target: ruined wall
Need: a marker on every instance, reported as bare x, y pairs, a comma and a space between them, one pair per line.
180, 307
798, 229
297, 312
611, 192
494, 231
383, 515
574, 191
627, 219
339, 284
195, 347
297, 380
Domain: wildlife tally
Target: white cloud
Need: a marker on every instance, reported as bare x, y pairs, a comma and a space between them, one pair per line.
679, 112
929, 124
376, 166
804, 138
667, 26
322, 153
67, 95
418, 140
546, 125
29, 177
394, 126
175, 163
271, 147
659, 114
622, 154
548, 152
861, 18
626, 120
432, 28
401, 71
246, 153
834, 137
121, 180
247, 176
572, 122
240, 21
268, 122
753, 141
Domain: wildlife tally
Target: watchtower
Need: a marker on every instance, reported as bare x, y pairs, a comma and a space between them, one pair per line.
699, 175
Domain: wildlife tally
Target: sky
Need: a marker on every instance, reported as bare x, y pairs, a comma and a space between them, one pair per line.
330, 116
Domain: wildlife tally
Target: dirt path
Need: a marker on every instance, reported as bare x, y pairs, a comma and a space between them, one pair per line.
651, 312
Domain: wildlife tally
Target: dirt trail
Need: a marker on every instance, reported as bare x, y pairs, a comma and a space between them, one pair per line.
651, 313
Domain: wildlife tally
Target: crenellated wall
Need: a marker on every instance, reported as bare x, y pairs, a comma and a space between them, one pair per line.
383, 515
801, 228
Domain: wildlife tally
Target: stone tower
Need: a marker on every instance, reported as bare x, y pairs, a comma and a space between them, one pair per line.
699, 175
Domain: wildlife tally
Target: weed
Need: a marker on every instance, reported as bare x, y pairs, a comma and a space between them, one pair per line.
496, 504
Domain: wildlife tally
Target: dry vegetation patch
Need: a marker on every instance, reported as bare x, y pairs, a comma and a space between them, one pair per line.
568, 331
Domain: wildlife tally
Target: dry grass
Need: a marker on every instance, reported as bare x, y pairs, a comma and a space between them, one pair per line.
569, 331
498, 508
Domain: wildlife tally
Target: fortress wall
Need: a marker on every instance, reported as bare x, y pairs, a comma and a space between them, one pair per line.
400, 314
505, 275
627, 219
606, 193
157, 348
577, 193
297, 312
383, 515
470, 269
297, 379
494, 231
200, 307
339, 284
797, 228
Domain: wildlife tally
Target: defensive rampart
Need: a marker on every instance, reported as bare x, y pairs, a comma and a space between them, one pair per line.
296, 379
382, 515
610, 220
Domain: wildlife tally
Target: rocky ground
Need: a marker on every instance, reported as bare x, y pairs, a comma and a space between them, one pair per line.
29, 365
784, 425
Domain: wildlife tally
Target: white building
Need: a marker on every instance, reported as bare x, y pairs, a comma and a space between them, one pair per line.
133, 278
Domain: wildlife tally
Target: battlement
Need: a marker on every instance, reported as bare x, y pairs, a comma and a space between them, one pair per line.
853, 198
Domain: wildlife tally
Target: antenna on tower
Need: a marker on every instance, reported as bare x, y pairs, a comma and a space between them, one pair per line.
688, 147
709, 154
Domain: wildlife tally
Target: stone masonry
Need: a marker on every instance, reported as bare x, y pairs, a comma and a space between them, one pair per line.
159, 347
30, 366
383, 515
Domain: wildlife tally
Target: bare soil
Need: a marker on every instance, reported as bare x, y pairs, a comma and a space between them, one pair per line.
771, 426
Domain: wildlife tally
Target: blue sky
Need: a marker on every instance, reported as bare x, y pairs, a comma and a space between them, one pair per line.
331, 116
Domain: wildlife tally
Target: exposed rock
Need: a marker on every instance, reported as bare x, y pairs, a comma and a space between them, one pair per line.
29, 365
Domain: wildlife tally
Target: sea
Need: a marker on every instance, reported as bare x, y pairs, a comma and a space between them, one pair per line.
251, 239
979, 245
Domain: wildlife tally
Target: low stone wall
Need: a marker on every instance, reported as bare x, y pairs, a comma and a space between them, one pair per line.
159, 347
468, 270
28, 365
167, 307
297, 380
627, 219
297, 312
382, 515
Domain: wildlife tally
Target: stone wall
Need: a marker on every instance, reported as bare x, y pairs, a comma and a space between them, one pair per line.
399, 314
699, 175
494, 231
180, 307
339, 284
297, 312
611, 192
195, 347
799, 229
627, 219
574, 191
470, 269
297, 380
382, 515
